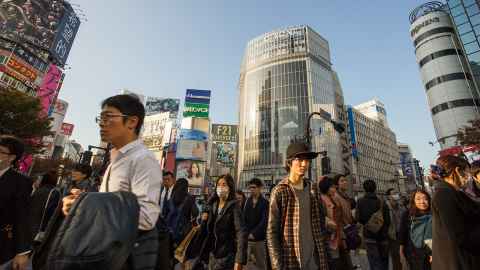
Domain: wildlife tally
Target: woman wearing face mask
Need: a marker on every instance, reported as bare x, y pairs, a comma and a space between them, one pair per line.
226, 244
456, 226
416, 231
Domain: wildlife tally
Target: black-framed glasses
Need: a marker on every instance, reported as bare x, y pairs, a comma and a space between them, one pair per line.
107, 118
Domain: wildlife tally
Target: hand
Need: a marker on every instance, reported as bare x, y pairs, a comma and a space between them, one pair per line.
238, 266
20, 262
69, 200
430, 259
250, 237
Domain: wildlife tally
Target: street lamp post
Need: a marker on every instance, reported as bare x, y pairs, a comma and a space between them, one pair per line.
339, 127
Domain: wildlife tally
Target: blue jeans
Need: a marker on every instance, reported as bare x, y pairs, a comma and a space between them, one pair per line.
377, 253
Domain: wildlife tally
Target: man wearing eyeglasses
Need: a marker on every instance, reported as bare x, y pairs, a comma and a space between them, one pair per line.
133, 167
15, 190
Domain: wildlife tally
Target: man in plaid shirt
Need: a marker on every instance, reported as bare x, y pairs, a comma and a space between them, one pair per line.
296, 222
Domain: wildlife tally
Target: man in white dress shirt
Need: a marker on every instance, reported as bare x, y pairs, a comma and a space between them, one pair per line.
133, 167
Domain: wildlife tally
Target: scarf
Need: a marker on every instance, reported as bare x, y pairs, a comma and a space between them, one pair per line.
420, 230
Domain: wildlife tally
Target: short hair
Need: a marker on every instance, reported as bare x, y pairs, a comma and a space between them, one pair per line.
128, 105
15, 146
325, 184
337, 177
168, 173
369, 185
50, 178
389, 191
255, 181
84, 169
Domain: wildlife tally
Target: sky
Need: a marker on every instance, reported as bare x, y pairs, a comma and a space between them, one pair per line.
161, 48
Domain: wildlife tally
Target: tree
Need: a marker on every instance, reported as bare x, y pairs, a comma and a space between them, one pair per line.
20, 117
470, 135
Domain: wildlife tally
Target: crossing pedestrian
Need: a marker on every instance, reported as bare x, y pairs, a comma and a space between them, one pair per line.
225, 247
255, 217
374, 215
296, 221
133, 168
416, 232
81, 178
396, 211
15, 190
456, 226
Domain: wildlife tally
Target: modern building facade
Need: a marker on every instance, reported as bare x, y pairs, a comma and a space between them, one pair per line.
374, 109
446, 75
373, 149
285, 75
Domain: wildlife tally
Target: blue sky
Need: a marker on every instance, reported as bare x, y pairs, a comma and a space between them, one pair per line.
160, 48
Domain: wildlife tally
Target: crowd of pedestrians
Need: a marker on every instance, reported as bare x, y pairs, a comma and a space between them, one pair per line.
143, 218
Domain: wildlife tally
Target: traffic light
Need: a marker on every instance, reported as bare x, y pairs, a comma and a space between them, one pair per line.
326, 169
86, 157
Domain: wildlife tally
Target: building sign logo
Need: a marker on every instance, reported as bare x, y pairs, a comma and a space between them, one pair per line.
225, 133
423, 24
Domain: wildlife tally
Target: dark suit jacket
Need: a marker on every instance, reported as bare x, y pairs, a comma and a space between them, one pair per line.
15, 231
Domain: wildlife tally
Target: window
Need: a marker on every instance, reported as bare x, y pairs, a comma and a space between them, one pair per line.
468, 37
464, 28
469, 2
472, 47
460, 19
475, 19
457, 11
472, 10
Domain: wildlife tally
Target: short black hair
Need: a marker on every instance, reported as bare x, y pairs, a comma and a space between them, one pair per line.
369, 185
168, 173
15, 146
325, 184
389, 191
128, 105
255, 181
84, 169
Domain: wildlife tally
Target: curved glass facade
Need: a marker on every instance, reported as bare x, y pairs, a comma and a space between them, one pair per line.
285, 75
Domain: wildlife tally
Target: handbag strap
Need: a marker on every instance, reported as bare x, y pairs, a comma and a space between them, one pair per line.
45, 208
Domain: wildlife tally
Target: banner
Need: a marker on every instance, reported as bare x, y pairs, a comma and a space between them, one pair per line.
66, 32
224, 133
156, 105
193, 171
48, 90
197, 103
67, 129
225, 153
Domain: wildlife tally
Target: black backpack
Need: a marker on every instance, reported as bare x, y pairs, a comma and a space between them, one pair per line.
98, 233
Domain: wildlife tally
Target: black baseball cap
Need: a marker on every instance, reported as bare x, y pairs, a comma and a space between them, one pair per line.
300, 150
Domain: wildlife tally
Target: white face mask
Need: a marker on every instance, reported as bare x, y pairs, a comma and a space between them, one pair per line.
222, 192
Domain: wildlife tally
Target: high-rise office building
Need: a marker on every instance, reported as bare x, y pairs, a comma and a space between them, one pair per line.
285, 75
446, 75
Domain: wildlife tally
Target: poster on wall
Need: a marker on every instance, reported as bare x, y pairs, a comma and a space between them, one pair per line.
224, 133
192, 149
193, 171
225, 153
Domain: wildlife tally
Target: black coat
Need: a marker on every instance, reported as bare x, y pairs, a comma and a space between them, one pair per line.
366, 207
40, 209
255, 218
226, 237
15, 190
456, 230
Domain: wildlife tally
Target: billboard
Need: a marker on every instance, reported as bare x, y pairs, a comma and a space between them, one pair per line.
48, 90
66, 32
66, 129
192, 149
225, 153
192, 134
224, 133
197, 103
46, 25
156, 105
24, 54
353, 139
193, 171
154, 130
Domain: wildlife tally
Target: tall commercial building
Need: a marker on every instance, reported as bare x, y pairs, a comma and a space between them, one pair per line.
446, 75
373, 149
408, 167
285, 75
374, 109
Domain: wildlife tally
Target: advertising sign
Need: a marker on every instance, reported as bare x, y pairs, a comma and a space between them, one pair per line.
197, 103
225, 153
192, 149
67, 129
23, 54
17, 76
22, 69
192, 134
193, 171
34, 22
16, 84
160, 105
224, 133
48, 90
66, 32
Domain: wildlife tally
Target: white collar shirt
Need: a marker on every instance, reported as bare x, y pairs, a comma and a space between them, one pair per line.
134, 168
